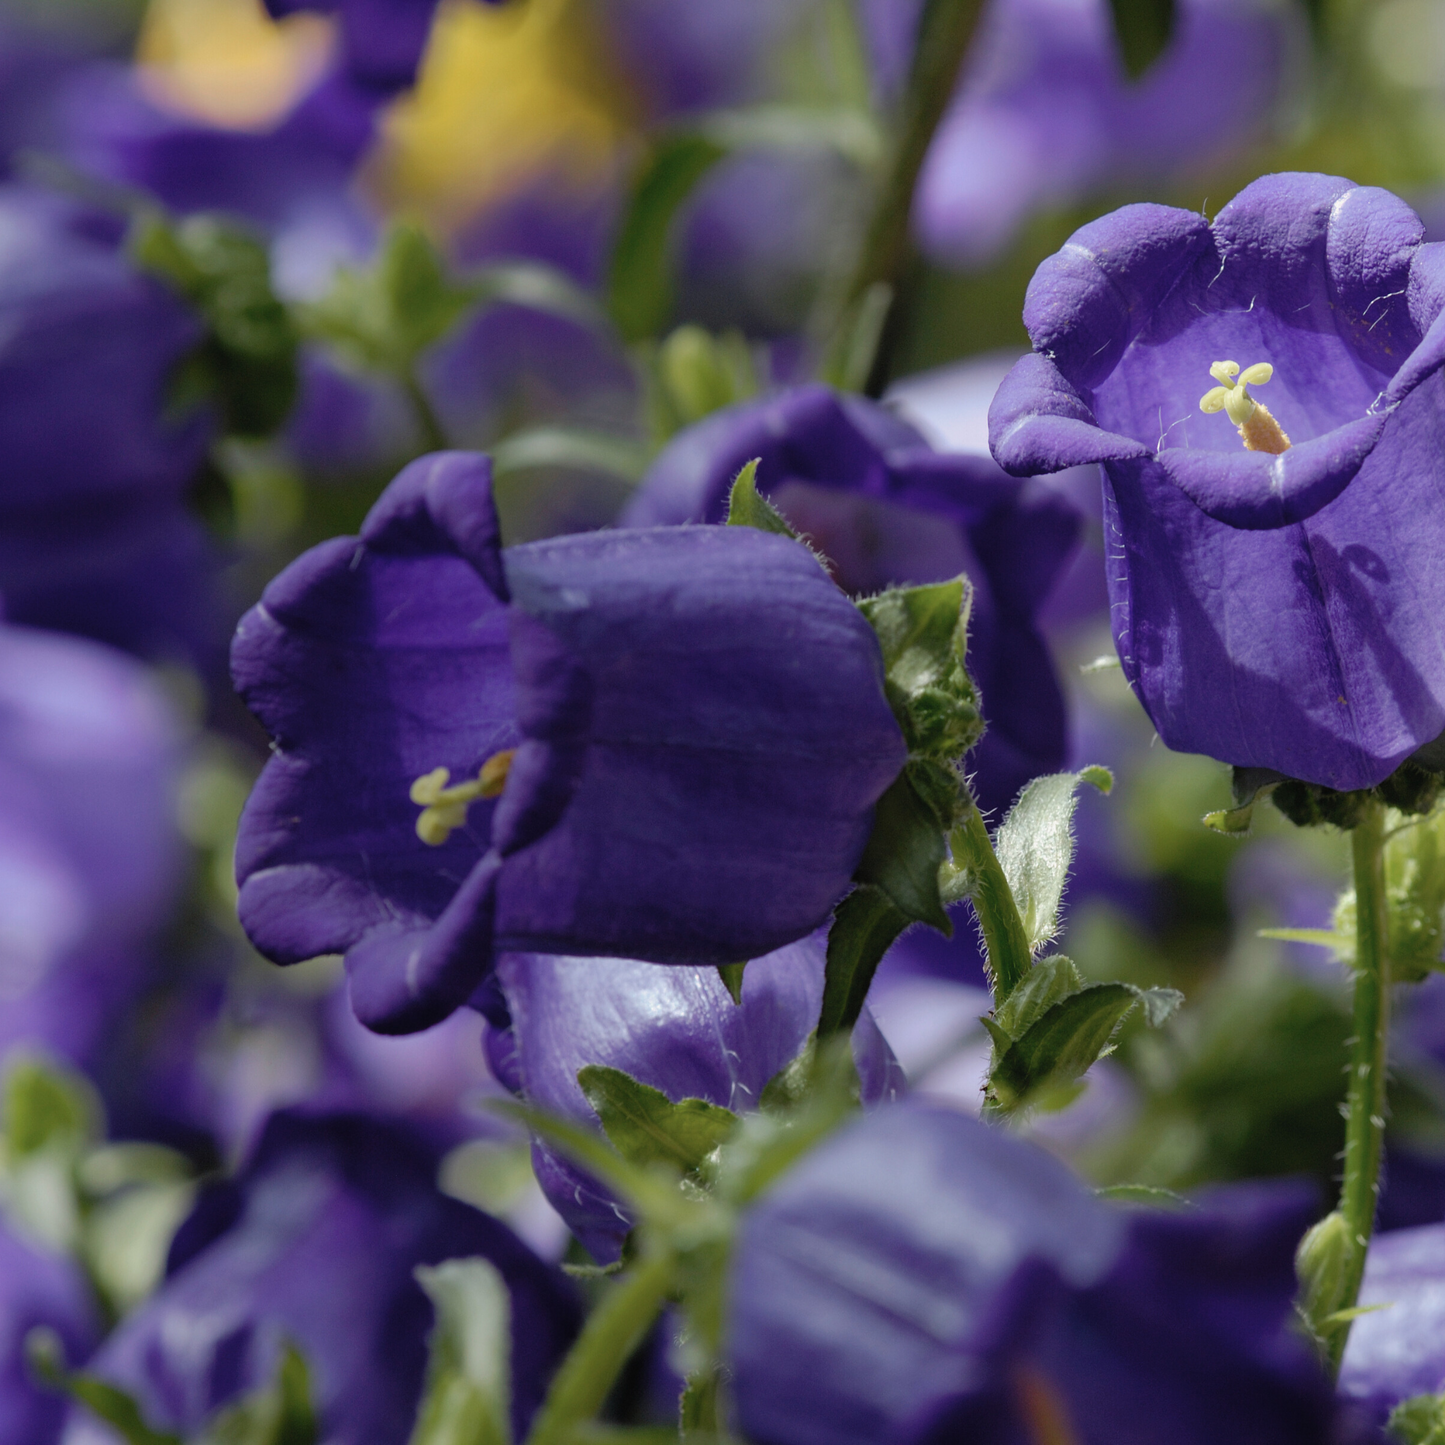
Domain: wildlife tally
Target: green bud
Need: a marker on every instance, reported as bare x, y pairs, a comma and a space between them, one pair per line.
1321, 1263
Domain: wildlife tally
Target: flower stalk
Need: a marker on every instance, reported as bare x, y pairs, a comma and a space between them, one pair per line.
1365, 1099
612, 1332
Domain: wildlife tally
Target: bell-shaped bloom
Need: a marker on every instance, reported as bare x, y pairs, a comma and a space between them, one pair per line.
1044, 113
1271, 608
90, 855
675, 1029
38, 1288
884, 508
1397, 1350
923, 1277
683, 732
94, 536
314, 1243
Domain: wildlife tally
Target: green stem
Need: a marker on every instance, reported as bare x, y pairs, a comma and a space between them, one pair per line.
944, 31
433, 434
612, 1332
1365, 1098
1009, 955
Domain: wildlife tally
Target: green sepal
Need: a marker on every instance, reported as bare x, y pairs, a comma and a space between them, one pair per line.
647, 1128
864, 927
639, 281
732, 980
1142, 29
46, 1357
923, 633
905, 851
467, 1397
247, 362
1035, 847
1419, 1420
747, 507
1053, 1027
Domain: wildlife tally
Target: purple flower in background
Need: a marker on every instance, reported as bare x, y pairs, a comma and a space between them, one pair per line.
315, 1242
1398, 1349
676, 1029
670, 743
37, 1288
94, 536
1272, 610
922, 1277
885, 508
90, 857
1044, 113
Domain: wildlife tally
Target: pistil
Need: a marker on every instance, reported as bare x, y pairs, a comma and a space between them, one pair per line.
1258, 429
444, 808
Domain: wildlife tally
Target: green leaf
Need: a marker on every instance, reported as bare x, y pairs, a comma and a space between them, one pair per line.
1142, 29
1419, 1420
647, 1127
1035, 847
247, 362
864, 926
1048, 982
923, 632
905, 852
850, 357
747, 507
280, 1414
46, 1357
697, 373
467, 1399
571, 449
48, 1107
1147, 1194
1318, 937
641, 1188
732, 979
846, 129
385, 317
639, 283
1060, 1045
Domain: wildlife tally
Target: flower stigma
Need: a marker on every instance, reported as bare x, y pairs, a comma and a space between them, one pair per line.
1258, 429
445, 809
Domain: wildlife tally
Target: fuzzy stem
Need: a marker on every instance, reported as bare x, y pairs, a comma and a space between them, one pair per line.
1009, 955
1365, 1099
612, 1332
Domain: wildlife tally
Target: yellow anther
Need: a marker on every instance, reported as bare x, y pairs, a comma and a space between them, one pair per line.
1258, 429
444, 809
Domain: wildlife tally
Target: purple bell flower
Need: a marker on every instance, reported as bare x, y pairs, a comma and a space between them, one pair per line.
1398, 1349
94, 535
885, 509
90, 856
38, 1288
1045, 114
681, 735
315, 1243
922, 1277
1272, 607
676, 1029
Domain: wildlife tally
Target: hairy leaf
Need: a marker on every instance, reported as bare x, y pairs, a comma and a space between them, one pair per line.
647, 1127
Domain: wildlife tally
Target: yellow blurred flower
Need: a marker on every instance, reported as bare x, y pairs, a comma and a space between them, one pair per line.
228, 62
505, 94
